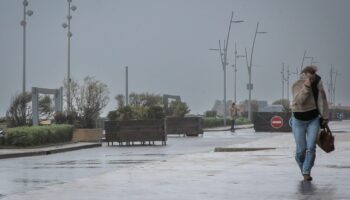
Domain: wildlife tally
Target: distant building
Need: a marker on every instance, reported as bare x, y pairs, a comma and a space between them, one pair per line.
219, 107
257, 105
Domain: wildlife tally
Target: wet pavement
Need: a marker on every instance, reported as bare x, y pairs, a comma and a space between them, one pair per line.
195, 172
20, 175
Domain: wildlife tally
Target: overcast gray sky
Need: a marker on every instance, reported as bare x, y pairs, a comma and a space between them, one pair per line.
165, 44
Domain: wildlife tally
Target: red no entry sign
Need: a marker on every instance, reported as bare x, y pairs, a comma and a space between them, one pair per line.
276, 122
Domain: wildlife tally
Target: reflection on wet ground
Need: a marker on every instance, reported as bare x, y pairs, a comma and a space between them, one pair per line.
306, 188
339, 166
23, 174
309, 190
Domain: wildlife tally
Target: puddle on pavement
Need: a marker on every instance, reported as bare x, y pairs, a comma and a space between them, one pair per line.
26, 181
89, 164
117, 162
338, 166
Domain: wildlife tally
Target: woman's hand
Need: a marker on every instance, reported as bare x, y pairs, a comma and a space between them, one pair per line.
307, 83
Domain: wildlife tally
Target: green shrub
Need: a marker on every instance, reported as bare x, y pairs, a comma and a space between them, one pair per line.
60, 118
242, 121
155, 112
112, 115
210, 113
38, 135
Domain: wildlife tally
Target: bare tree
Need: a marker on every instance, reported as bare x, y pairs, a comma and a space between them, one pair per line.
74, 94
120, 100
19, 113
87, 101
45, 107
93, 98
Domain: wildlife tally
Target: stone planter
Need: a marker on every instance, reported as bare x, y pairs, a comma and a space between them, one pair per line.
87, 135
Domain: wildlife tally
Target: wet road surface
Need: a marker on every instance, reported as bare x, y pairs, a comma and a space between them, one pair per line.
24, 174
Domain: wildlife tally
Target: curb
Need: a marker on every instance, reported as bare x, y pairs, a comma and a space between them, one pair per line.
236, 149
228, 129
48, 152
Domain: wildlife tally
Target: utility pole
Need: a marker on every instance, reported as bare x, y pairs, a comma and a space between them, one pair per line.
235, 70
223, 58
69, 35
332, 85
283, 79
249, 66
296, 73
126, 86
24, 25
288, 79
335, 80
302, 61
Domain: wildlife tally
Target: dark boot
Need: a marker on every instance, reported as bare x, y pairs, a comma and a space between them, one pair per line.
307, 177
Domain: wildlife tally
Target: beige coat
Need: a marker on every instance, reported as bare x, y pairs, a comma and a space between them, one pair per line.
233, 112
303, 98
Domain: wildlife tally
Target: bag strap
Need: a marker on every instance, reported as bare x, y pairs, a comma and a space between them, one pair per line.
328, 130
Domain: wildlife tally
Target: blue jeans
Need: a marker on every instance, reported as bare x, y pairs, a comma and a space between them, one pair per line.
305, 135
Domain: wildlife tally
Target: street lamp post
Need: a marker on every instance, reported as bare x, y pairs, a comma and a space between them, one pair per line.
24, 24
126, 86
288, 81
249, 66
283, 79
235, 70
69, 35
313, 62
223, 57
305, 57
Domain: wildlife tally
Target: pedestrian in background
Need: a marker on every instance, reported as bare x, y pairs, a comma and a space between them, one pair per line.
233, 113
310, 111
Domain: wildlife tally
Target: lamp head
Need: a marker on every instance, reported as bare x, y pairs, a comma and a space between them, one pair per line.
73, 8
25, 3
29, 12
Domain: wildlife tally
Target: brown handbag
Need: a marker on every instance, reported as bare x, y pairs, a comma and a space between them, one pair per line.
325, 140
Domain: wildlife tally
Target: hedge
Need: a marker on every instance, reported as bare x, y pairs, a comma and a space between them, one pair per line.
209, 122
38, 135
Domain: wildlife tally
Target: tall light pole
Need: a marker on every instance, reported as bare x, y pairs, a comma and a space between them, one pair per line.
296, 73
302, 61
235, 70
335, 81
288, 79
249, 66
126, 86
312, 61
24, 25
283, 79
223, 57
69, 35
331, 85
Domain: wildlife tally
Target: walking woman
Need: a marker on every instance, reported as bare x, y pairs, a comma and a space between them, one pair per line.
310, 111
